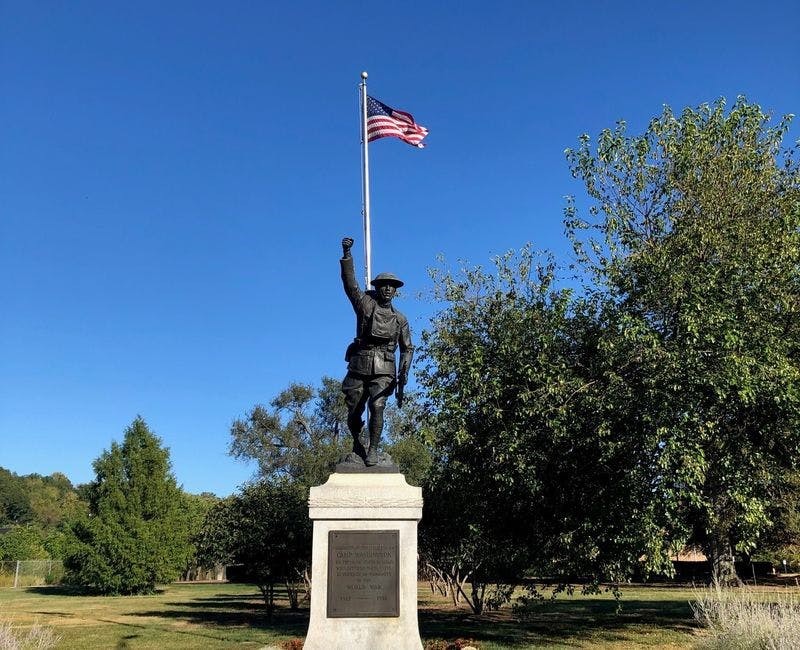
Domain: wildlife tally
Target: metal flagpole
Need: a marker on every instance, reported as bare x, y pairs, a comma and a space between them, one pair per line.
365, 183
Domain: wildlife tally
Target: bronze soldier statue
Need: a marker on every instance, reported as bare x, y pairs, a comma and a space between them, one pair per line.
371, 372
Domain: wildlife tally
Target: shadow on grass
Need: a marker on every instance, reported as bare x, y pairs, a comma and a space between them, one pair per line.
58, 590
234, 610
213, 611
227, 598
196, 635
564, 622
241, 603
283, 620
69, 590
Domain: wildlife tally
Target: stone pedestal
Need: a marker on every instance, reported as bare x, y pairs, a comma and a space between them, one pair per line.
364, 563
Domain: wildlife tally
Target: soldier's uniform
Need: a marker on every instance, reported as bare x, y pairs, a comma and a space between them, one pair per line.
371, 372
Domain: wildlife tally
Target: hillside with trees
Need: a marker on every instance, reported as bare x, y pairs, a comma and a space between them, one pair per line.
34, 514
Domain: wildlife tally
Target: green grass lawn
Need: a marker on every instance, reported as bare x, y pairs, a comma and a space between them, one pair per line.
180, 616
650, 617
211, 616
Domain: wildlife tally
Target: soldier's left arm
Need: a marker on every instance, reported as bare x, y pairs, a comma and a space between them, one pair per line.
406, 350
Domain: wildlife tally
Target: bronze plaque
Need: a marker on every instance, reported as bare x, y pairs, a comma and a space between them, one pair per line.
363, 573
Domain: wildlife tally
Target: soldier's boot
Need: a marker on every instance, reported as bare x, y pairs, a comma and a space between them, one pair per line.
372, 457
356, 426
375, 428
358, 448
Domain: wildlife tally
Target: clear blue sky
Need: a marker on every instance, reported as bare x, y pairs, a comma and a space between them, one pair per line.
175, 179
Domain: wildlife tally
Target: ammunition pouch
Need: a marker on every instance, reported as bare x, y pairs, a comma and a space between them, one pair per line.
351, 350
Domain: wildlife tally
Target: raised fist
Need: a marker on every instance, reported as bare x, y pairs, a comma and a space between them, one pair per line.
347, 244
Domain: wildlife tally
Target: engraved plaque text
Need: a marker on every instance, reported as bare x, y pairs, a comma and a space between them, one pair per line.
363, 573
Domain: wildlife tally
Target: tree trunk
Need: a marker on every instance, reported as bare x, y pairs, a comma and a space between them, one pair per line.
307, 583
293, 592
478, 597
720, 555
268, 594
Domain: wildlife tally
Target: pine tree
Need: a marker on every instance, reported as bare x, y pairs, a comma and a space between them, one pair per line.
137, 531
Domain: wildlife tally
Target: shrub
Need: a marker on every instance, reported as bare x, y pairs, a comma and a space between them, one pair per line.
292, 644
744, 619
458, 644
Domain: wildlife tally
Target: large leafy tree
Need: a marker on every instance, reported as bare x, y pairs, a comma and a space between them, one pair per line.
534, 465
579, 431
266, 529
197, 508
295, 440
693, 235
408, 438
298, 436
137, 533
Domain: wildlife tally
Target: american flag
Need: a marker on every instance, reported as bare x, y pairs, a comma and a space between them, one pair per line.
385, 122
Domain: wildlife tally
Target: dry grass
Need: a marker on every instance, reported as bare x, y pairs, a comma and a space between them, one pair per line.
34, 637
745, 619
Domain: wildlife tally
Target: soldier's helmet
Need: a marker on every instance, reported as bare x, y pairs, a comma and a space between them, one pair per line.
387, 278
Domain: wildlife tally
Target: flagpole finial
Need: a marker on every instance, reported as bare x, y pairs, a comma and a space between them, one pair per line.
364, 74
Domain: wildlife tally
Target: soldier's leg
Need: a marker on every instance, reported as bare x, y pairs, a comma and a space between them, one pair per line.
379, 388
355, 396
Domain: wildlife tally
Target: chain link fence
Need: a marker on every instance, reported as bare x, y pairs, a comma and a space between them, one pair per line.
30, 573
